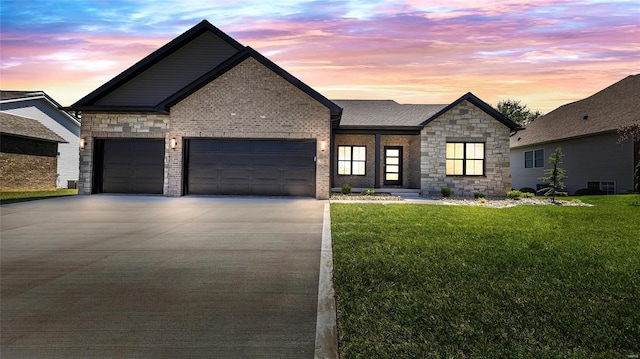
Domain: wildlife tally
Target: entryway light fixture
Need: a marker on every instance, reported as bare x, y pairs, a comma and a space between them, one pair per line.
323, 145
82, 143
173, 143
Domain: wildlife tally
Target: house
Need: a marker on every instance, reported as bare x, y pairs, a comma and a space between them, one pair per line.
28, 154
39, 106
586, 131
207, 115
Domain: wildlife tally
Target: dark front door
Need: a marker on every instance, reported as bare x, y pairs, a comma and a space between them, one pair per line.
251, 167
129, 166
392, 165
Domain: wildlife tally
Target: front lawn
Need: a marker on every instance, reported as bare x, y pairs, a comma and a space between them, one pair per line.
21, 196
418, 281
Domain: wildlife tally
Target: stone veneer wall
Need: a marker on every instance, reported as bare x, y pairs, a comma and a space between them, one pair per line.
250, 101
465, 122
117, 125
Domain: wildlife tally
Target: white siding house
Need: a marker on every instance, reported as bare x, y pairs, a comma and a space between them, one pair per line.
38, 106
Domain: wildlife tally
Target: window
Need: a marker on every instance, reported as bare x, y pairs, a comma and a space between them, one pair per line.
352, 160
534, 159
465, 159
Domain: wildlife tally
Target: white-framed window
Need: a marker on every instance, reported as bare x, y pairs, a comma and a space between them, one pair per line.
607, 187
352, 160
465, 159
533, 159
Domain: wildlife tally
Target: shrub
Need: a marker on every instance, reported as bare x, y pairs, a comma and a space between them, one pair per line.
368, 192
482, 200
527, 195
588, 192
446, 192
478, 195
515, 194
527, 190
346, 188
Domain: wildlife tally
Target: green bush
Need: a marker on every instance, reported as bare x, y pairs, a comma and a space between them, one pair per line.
588, 192
527, 190
478, 195
446, 192
346, 188
515, 194
482, 200
368, 192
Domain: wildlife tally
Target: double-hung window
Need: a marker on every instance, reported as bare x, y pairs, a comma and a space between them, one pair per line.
534, 159
352, 160
465, 159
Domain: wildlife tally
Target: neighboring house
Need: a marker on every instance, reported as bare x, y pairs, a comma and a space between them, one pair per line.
206, 115
586, 131
28, 154
39, 106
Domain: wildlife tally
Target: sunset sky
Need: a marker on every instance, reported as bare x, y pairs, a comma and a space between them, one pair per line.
543, 52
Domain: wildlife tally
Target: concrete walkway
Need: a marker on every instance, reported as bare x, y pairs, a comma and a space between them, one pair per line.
154, 277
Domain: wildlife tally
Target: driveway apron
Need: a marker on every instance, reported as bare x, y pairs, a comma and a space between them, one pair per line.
144, 276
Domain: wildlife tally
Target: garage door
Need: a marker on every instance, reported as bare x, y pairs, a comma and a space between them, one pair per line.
129, 166
251, 167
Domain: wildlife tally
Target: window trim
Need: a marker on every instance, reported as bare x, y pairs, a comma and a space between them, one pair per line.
534, 160
351, 160
464, 159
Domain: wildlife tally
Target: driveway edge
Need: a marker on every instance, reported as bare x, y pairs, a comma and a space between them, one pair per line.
326, 324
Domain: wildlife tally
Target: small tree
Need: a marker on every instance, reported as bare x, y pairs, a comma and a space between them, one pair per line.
632, 132
554, 176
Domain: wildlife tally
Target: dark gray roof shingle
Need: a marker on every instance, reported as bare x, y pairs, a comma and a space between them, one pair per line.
606, 110
10, 95
368, 113
26, 127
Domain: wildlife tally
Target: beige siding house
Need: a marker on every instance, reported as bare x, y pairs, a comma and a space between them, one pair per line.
586, 131
206, 115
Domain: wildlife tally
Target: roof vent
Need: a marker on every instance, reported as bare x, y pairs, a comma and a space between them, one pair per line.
585, 117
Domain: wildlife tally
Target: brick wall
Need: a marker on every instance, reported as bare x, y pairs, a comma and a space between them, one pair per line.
27, 164
465, 122
249, 101
115, 125
410, 159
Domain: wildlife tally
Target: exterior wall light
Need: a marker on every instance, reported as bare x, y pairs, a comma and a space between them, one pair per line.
173, 143
82, 143
323, 145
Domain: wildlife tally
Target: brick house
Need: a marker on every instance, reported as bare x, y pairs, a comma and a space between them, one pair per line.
28, 154
206, 115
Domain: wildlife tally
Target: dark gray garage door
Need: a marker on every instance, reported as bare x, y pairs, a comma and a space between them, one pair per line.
129, 166
251, 167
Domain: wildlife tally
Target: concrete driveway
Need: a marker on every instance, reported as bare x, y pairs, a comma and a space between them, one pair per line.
154, 277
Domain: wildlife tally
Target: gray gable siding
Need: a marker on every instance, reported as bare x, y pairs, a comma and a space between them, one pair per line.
172, 73
587, 159
52, 118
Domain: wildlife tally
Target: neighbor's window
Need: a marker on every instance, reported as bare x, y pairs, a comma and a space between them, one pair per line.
352, 160
465, 158
607, 187
534, 159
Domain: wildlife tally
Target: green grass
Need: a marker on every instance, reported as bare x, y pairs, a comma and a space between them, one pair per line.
21, 196
420, 281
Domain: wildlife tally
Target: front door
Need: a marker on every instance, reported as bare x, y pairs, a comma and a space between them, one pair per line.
392, 165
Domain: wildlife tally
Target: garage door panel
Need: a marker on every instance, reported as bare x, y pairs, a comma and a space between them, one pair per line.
131, 166
251, 167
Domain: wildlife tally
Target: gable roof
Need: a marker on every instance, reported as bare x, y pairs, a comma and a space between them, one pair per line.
363, 114
27, 128
605, 111
18, 96
230, 63
103, 99
481, 105
136, 71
